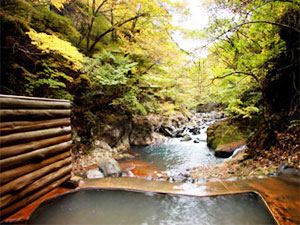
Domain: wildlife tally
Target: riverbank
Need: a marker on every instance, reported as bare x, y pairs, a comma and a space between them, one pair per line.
144, 131
284, 151
223, 134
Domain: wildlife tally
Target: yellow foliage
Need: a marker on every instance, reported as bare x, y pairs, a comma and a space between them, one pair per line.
53, 44
168, 108
59, 4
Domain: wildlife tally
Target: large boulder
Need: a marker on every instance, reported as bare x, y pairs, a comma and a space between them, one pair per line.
109, 167
144, 130
114, 130
101, 145
172, 125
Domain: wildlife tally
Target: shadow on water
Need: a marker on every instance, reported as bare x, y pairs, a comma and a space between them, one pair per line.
126, 207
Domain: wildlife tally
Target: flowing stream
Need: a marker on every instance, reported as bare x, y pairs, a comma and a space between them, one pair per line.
176, 157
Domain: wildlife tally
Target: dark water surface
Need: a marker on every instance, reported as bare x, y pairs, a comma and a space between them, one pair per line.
126, 207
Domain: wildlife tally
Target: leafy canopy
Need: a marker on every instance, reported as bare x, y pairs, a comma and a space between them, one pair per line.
52, 44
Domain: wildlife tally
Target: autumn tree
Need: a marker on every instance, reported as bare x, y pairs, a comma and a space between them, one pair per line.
243, 42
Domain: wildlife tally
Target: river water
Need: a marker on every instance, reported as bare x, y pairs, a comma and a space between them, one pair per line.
177, 157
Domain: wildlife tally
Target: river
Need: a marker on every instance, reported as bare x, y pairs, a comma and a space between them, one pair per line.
176, 157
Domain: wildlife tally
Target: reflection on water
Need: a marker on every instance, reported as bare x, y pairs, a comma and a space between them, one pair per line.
177, 156
124, 207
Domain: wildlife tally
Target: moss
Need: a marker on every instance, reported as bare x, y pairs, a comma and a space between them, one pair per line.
230, 133
40, 18
16, 26
18, 8
51, 22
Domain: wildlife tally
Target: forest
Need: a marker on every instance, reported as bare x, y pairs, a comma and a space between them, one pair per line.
118, 60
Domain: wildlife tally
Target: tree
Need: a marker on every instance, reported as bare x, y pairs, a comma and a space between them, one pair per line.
243, 41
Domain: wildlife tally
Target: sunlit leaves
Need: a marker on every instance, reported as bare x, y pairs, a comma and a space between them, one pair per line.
52, 44
59, 4
245, 43
106, 69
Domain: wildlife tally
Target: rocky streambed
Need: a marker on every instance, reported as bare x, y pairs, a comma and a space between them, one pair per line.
174, 148
155, 147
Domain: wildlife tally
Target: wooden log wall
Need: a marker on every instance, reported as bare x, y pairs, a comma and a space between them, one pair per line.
35, 149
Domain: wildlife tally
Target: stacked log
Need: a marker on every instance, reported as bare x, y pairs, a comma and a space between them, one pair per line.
35, 144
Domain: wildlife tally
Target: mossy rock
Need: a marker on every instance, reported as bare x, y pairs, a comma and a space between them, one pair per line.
226, 135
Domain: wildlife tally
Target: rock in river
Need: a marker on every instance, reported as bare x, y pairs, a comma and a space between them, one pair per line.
109, 167
186, 137
178, 133
195, 130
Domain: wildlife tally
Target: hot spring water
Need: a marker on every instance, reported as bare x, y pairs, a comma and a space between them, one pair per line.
126, 207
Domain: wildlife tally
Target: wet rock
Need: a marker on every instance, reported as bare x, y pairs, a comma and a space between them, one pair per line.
186, 137
109, 167
195, 130
197, 140
142, 140
215, 115
178, 133
166, 131
224, 153
178, 178
239, 152
177, 120
93, 174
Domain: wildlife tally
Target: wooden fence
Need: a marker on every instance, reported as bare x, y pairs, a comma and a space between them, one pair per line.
35, 144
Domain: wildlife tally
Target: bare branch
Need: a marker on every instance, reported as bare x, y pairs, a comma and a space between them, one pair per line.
251, 22
176, 43
99, 37
149, 68
95, 12
237, 72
